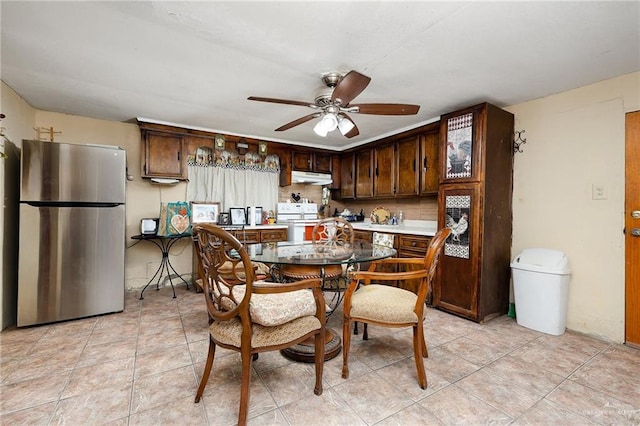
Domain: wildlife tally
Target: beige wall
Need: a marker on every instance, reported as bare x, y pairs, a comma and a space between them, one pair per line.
17, 125
576, 139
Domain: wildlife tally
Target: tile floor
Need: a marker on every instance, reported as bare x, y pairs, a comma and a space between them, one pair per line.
142, 366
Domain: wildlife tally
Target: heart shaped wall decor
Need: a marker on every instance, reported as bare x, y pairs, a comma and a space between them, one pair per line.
180, 222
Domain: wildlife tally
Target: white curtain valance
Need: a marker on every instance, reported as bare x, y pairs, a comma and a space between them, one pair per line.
234, 185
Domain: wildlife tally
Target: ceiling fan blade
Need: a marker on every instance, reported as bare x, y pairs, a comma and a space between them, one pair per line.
297, 122
279, 101
387, 109
349, 87
354, 130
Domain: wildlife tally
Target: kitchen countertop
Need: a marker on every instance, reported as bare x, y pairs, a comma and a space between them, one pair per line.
274, 226
414, 227
427, 228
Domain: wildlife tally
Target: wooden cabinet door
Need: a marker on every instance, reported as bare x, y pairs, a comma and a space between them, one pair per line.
301, 160
359, 235
322, 162
457, 286
429, 163
364, 171
347, 176
273, 235
460, 141
163, 156
383, 178
336, 170
407, 173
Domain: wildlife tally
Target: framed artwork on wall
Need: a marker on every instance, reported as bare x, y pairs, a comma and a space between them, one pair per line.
237, 216
220, 142
257, 214
459, 146
204, 212
223, 219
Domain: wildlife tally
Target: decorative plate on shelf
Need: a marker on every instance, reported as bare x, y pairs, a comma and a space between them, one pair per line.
380, 215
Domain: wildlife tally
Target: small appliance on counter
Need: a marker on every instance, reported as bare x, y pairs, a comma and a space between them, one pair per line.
149, 226
350, 217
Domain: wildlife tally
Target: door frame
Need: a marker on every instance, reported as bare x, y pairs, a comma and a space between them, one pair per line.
632, 244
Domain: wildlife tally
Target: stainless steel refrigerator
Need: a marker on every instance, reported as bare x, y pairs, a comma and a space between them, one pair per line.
72, 231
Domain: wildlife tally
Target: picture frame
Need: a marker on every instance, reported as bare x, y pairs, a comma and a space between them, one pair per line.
238, 216
262, 148
257, 215
204, 212
220, 141
223, 219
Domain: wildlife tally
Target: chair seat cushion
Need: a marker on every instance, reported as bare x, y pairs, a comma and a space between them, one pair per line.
273, 309
384, 303
229, 332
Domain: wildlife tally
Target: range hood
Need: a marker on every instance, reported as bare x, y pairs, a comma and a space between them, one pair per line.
310, 178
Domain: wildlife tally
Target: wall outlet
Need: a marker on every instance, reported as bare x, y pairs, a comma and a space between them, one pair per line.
599, 191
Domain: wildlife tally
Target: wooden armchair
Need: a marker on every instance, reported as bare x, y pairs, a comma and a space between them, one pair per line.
252, 317
390, 306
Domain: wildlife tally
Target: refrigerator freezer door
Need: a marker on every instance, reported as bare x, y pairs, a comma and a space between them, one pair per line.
71, 262
60, 172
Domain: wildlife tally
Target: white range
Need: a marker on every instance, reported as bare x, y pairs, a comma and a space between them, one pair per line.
300, 217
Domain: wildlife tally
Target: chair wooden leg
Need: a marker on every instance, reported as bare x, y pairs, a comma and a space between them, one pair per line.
207, 370
355, 328
425, 351
418, 337
365, 331
319, 360
246, 383
346, 342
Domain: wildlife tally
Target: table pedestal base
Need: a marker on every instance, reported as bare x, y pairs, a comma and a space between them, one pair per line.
305, 351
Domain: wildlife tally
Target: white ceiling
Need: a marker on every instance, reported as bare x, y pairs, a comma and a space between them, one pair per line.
195, 63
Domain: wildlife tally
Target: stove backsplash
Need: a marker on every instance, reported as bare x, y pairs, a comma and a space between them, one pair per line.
418, 208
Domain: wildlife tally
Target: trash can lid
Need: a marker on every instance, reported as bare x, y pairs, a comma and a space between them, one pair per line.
542, 260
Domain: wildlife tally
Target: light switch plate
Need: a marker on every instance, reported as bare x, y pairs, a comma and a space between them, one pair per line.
599, 191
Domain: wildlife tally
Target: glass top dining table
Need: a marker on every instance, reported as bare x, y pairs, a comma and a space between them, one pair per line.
318, 254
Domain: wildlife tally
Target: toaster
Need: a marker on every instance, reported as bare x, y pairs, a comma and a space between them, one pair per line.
149, 226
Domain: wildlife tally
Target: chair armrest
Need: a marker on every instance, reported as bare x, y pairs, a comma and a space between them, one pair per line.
397, 261
268, 288
367, 276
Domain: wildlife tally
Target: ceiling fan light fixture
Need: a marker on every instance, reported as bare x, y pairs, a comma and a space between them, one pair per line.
345, 125
330, 121
320, 130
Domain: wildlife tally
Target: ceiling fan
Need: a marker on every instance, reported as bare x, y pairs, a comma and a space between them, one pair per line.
332, 103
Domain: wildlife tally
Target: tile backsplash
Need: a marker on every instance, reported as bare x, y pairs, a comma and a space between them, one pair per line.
418, 208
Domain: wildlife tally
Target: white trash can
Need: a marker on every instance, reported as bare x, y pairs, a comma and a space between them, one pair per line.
541, 289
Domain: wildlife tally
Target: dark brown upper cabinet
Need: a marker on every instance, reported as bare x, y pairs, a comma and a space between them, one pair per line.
408, 171
429, 163
383, 177
347, 176
364, 173
162, 156
309, 161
